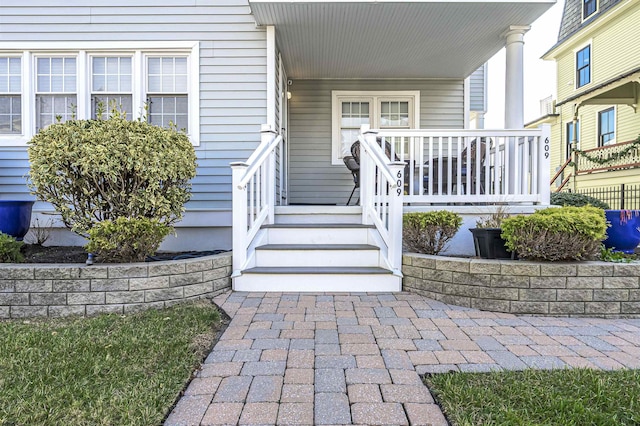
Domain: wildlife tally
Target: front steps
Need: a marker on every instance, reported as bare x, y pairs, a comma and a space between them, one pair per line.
317, 249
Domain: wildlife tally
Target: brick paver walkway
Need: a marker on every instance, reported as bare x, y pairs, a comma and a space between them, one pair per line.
356, 358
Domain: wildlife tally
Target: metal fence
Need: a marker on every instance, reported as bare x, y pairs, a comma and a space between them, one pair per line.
623, 196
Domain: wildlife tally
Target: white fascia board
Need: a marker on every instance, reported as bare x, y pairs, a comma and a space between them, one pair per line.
97, 45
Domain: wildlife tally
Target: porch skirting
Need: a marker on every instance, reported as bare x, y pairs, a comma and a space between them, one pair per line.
57, 290
574, 289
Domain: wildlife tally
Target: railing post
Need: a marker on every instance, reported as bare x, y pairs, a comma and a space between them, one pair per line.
396, 203
239, 217
544, 164
269, 177
367, 174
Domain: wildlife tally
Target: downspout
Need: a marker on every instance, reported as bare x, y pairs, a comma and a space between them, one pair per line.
574, 145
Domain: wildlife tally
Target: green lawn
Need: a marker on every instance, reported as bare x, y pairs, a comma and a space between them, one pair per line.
107, 370
533, 397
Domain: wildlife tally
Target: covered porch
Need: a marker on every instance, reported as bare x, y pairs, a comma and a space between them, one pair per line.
392, 78
397, 67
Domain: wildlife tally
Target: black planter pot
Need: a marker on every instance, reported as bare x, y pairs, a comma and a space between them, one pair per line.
489, 244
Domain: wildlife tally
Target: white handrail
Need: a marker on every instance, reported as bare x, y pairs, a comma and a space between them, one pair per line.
379, 158
256, 161
381, 197
254, 195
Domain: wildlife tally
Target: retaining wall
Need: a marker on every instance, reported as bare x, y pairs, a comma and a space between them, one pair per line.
591, 289
55, 290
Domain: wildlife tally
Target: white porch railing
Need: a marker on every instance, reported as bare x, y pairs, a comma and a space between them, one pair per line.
254, 194
471, 166
381, 197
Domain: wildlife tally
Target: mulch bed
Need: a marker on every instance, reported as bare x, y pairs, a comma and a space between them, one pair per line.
34, 253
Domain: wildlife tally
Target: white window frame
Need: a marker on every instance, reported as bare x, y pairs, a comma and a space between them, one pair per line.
584, 18
589, 44
83, 51
22, 97
614, 140
374, 97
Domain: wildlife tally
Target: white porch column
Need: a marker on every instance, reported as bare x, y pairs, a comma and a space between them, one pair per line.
514, 87
514, 102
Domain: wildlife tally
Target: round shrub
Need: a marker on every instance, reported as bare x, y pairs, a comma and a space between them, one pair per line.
10, 249
125, 239
97, 170
429, 232
565, 233
576, 200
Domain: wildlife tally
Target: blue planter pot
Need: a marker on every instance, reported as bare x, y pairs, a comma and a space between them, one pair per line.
15, 217
623, 234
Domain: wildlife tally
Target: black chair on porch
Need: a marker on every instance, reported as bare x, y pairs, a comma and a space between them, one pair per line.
353, 164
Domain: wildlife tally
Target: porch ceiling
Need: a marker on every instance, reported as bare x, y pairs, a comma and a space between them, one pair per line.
391, 38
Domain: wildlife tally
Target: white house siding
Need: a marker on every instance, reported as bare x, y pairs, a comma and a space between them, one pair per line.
232, 74
312, 179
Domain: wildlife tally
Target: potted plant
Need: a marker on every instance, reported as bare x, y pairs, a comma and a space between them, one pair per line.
623, 233
15, 217
487, 238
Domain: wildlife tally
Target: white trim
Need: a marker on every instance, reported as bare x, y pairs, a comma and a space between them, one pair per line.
271, 76
83, 51
374, 97
83, 83
466, 88
615, 125
584, 18
126, 46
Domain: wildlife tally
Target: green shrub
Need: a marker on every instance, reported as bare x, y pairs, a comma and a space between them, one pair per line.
429, 232
576, 200
97, 170
565, 233
10, 249
126, 240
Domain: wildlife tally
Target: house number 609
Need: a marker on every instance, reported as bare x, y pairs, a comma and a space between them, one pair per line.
399, 184
546, 148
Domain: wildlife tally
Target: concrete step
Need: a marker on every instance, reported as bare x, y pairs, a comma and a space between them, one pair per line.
317, 279
301, 255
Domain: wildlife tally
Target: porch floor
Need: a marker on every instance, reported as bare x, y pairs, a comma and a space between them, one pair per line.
290, 358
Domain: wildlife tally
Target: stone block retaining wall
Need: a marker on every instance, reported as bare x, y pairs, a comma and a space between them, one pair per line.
591, 289
55, 290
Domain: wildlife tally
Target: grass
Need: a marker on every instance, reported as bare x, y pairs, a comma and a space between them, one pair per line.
106, 370
534, 397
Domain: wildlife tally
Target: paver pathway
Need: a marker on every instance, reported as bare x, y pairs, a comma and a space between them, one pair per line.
356, 358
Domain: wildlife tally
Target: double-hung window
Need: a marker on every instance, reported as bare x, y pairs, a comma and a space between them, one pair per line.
111, 85
157, 81
379, 110
607, 127
167, 91
56, 99
589, 7
583, 66
10, 95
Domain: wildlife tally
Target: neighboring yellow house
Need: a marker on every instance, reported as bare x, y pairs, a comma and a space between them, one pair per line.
598, 86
